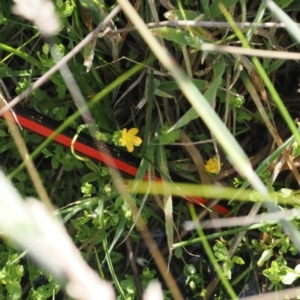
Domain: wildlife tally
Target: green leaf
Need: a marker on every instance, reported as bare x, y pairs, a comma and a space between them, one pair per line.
3, 133
178, 252
220, 256
119, 201
66, 9
90, 4
45, 49
129, 286
266, 255
118, 232
205, 6
179, 37
14, 289
59, 149
296, 150
4, 146
238, 260
219, 68
190, 269
214, 8
227, 266
162, 94
59, 3
54, 162
172, 85
169, 138
90, 177
283, 3
290, 277
57, 51
275, 65
2, 19
94, 7
92, 166
148, 274
297, 269
103, 171
242, 116
22, 176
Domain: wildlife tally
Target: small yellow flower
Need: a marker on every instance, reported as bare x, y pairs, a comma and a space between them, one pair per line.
212, 166
129, 139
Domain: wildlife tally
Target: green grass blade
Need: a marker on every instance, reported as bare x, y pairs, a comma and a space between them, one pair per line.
21, 54
264, 76
210, 95
211, 256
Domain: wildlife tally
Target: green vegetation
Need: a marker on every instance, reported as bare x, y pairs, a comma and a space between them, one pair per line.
195, 114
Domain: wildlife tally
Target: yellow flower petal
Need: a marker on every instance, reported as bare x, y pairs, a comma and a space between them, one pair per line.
123, 139
129, 139
136, 140
129, 146
124, 131
133, 131
122, 142
212, 166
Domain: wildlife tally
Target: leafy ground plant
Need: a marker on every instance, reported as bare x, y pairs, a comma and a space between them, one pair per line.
197, 92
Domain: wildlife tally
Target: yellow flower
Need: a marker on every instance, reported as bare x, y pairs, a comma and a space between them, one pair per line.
129, 139
212, 166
